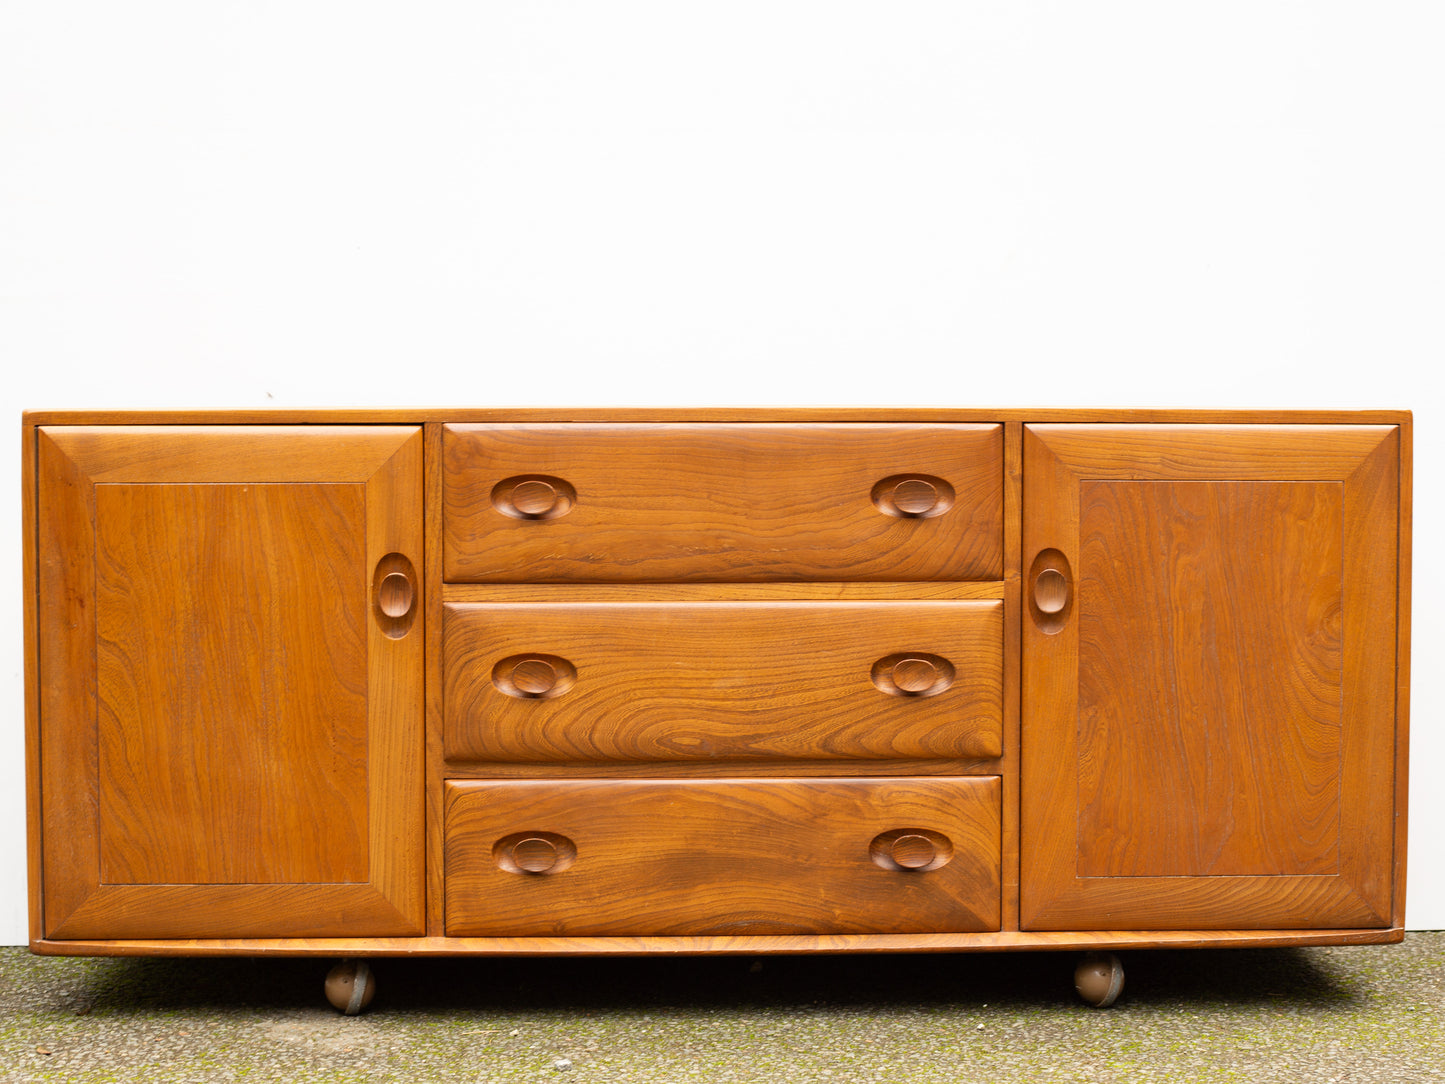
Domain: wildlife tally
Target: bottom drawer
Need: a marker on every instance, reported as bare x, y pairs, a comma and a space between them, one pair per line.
776, 856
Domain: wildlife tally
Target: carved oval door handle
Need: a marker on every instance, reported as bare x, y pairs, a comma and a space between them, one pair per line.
1051, 591
394, 594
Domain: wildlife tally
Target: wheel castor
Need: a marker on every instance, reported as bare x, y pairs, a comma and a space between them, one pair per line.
1099, 979
350, 987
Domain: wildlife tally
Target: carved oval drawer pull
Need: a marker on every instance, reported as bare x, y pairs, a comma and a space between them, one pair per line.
534, 852
911, 850
913, 496
533, 496
913, 673
534, 677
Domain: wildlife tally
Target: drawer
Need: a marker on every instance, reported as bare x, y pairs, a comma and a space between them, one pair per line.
787, 856
678, 681
722, 502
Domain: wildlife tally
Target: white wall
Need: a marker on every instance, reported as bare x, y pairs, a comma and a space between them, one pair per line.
1131, 203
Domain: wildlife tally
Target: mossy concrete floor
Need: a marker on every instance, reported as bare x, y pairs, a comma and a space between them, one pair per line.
1368, 1013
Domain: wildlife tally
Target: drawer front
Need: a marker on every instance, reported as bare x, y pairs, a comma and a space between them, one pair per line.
677, 681
792, 856
722, 502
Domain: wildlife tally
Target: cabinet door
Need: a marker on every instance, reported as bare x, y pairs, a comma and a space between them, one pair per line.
230, 657
1209, 676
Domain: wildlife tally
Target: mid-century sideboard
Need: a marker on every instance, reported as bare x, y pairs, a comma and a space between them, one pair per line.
496, 682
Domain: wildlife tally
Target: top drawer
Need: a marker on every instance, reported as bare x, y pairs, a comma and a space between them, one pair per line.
727, 502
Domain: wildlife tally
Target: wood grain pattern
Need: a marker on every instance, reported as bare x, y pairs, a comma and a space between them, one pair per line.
1217, 722
435, 750
934, 590
1009, 763
667, 857
777, 767
1404, 542
1109, 802
34, 809
723, 503
673, 681
153, 588
1250, 616
741, 945
975, 415
211, 772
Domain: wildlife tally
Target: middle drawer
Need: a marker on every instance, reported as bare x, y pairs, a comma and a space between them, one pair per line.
614, 681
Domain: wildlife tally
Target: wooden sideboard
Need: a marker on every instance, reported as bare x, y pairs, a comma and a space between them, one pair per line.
494, 682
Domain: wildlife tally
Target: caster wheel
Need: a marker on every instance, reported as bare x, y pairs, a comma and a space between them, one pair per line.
1099, 979
350, 987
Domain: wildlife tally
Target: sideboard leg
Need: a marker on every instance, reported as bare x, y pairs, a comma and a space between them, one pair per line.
350, 986
1099, 978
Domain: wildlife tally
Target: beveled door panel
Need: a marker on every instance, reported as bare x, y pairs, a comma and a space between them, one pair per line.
230, 725
1209, 660
728, 503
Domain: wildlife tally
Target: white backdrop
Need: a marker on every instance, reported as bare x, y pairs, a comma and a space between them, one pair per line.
312, 202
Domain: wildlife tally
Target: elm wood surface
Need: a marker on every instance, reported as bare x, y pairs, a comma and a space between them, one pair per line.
1017, 619
725, 503
744, 945
735, 856
654, 415
34, 811
1404, 542
720, 592
1008, 765
722, 680
212, 772
435, 754
186, 795
1209, 735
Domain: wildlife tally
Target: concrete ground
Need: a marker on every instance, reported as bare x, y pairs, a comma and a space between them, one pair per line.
1367, 1013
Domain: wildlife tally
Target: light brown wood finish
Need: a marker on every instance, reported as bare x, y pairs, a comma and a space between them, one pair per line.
742, 945
718, 769
1008, 767
210, 772
739, 856
34, 807
932, 591
1404, 544
187, 795
435, 751
1159, 448
658, 415
722, 503
1209, 734
719, 681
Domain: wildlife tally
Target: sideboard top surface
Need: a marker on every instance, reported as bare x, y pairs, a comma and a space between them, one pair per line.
415, 415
